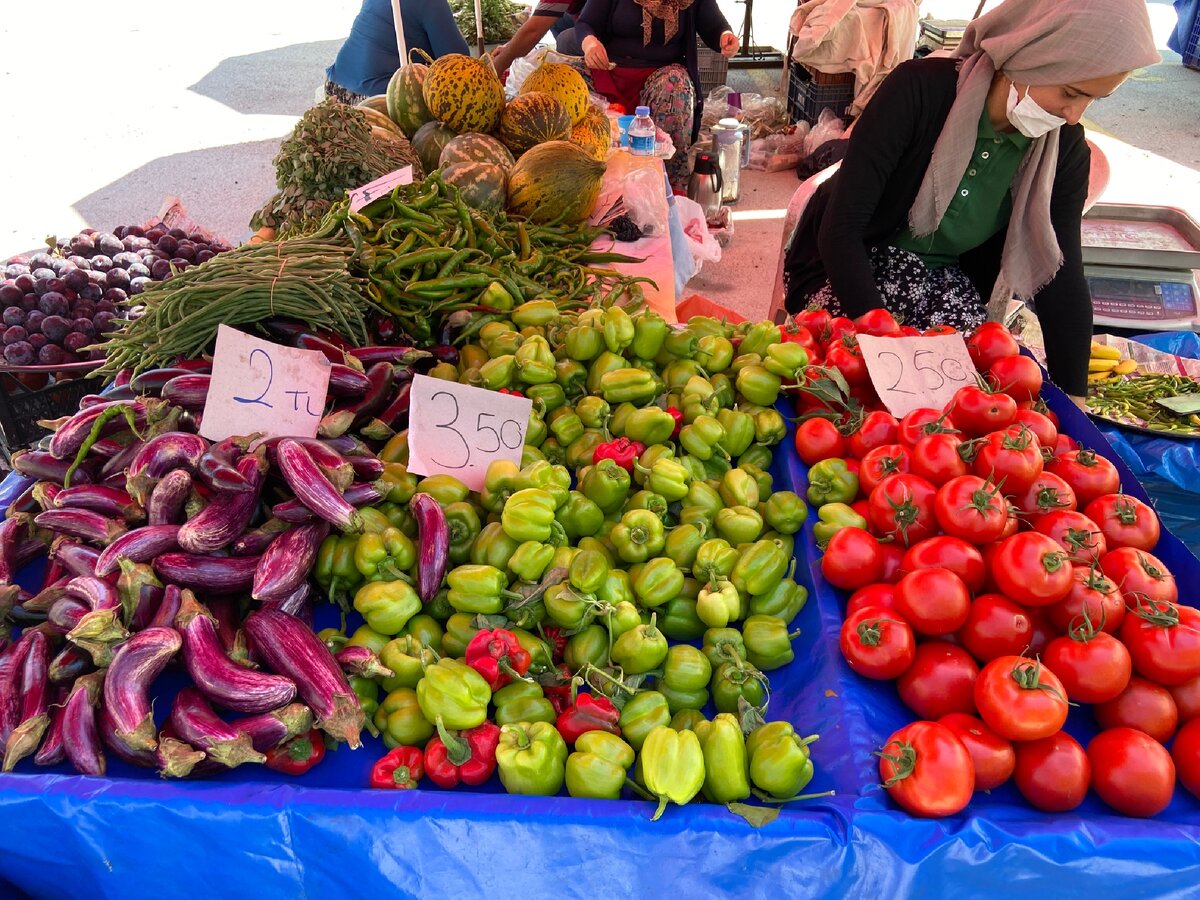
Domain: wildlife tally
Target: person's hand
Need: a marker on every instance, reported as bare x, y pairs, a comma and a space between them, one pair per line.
729, 44
1081, 402
594, 54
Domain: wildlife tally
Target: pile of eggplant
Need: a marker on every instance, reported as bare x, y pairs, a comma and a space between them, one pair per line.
155, 538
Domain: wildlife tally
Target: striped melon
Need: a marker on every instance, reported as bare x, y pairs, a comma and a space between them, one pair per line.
564, 83
555, 181
594, 134
380, 120
472, 147
405, 101
428, 142
531, 119
482, 185
377, 103
464, 93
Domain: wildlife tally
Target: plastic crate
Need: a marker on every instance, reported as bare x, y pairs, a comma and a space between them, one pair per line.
807, 95
22, 406
713, 68
1191, 50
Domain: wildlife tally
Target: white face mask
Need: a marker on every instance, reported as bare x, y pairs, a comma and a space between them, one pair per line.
1028, 117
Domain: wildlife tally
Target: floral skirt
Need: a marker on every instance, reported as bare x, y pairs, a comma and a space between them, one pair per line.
916, 294
341, 94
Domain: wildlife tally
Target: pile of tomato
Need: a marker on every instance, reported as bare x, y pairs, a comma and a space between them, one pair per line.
996, 572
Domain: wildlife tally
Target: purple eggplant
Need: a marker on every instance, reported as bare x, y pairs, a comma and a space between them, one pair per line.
370, 356
343, 419
140, 592
147, 759
347, 382
293, 512
44, 465
194, 721
167, 499
433, 535
66, 613
69, 664
294, 604
270, 729
313, 489
140, 545
347, 445
291, 648
216, 675
81, 523
189, 391
254, 542
363, 493
224, 519
168, 607
45, 493
35, 702
135, 665
367, 468
217, 466
12, 532
213, 574
392, 418
51, 752
160, 455
81, 737
152, 380
112, 472
12, 664
75, 431
335, 354
26, 501
362, 662
76, 558
101, 499
101, 628
285, 564
338, 469
175, 759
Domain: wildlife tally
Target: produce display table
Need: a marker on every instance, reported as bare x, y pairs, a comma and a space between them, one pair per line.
265, 833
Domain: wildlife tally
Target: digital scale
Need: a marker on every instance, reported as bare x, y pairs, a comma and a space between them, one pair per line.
1142, 264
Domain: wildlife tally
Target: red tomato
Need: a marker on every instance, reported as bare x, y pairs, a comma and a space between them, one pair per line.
877, 429
1047, 494
927, 770
1039, 424
1090, 476
816, 320
1053, 774
935, 330
1012, 524
1137, 572
995, 627
794, 333
872, 595
878, 322
935, 458
877, 643
906, 331
971, 508
1143, 705
1020, 699
1063, 445
989, 342
879, 463
1043, 631
818, 439
1031, 569
893, 559
977, 412
839, 327
1093, 666
947, 552
852, 559
921, 422
1131, 772
1126, 521
1164, 640
1187, 699
1185, 753
1091, 595
901, 507
1018, 376
933, 601
1078, 535
861, 506
940, 680
843, 354
991, 755
1011, 458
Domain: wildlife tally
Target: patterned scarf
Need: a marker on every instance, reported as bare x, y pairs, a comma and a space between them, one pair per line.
666, 10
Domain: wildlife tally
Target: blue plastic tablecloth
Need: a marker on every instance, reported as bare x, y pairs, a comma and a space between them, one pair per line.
250, 832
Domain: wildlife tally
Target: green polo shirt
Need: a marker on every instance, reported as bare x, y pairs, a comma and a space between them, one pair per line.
981, 205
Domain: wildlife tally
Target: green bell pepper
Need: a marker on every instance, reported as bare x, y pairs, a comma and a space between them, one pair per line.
714, 352
454, 691
478, 589
498, 372
658, 581
622, 617
500, 482
366, 636
463, 523
642, 713
531, 758
649, 425
617, 589
832, 518
757, 455
676, 374
445, 489
761, 336
367, 692
739, 430
759, 568
739, 524
679, 621
672, 766
683, 543
554, 479
407, 659
738, 488
603, 364
784, 512
678, 699
426, 629
726, 762
530, 561
384, 556
722, 645
588, 571
780, 763
593, 412
529, 515
492, 547
649, 333
686, 669
552, 451
702, 439
494, 331
645, 499
681, 343
570, 377
704, 496
397, 484
579, 516
400, 720
587, 646
564, 556
387, 605
831, 481
787, 360
715, 559
606, 484
784, 601
769, 427
460, 628
541, 655
618, 329
535, 313
598, 767
565, 425
584, 343
758, 386
641, 649
582, 450
639, 535
732, 681
567, 607
666, 477
630, 385
522, 701
335, 568
546, 399
719, 604
535, 361
687, 719
768, 642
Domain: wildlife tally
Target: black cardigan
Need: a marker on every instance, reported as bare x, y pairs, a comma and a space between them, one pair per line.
867, 202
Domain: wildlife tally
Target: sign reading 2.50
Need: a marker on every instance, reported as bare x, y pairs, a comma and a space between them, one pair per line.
914, 372
459, 430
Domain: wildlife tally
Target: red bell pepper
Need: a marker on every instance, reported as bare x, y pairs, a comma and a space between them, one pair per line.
498, 656
297, 756
556, 687
588, 713
557, 639
510, 392
622, 451
401, 769
466, 756
677, 415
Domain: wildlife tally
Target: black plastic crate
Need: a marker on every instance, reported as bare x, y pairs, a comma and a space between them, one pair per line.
22, 406
807, 95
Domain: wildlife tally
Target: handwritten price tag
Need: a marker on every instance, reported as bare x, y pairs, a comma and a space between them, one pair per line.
455, 429
912, 372
360, 197
258, 386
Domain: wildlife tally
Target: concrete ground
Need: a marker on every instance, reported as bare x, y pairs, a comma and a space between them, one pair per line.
159, 101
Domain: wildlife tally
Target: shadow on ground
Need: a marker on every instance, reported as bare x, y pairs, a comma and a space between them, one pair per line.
281, 82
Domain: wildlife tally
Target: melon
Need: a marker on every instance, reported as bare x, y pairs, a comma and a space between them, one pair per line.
464, 93
428, 142
555, 181
483, 186
380, 120
564, 83
531, 119
472, 147
594, 134
405, 100
377, 103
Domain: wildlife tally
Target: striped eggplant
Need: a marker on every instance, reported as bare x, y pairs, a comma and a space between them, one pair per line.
285, 564
291, 648
140, 545
114, 467
433, 553
76, 558
175, 759
297, 603
147, 759
168, 607
80, 736
73, 433
392, 418
107, 448
344, 418
101, 499
26, 501
335, 467
293, 512
12, 663
167, 499
312, 488
45, 493
216, 466
101, 628
362, 662
212, 574
44, 465
160, 455
66, 613
81, 523
51, 752
189, 390
152, 380
194, 721
12, 532
347, 382
35, 702
270, 729
336, 354
140, 592
69, 664
224, 519
254, 542
396, 355
135, 665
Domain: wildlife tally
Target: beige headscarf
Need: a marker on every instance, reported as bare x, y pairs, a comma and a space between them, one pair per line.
667, 11
1037, 42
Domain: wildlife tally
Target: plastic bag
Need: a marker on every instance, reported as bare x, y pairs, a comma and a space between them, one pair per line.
645, 198
829, 127
764, 115
521, 68
777, 152
703, 245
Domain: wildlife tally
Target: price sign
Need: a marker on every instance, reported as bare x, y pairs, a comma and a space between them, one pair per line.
912, 372
360, 197
258, 386
455, 429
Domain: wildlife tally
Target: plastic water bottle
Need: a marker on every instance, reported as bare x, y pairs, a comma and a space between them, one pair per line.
642, 133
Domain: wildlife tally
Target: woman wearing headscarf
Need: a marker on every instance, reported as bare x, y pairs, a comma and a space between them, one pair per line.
964, 170
643, 53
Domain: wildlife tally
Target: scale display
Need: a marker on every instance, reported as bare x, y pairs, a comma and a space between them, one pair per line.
1135, 295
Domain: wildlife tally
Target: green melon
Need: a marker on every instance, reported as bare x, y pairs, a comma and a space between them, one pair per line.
405, 101
483, 186
532, 119
555, 181
474, 147
428, 142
